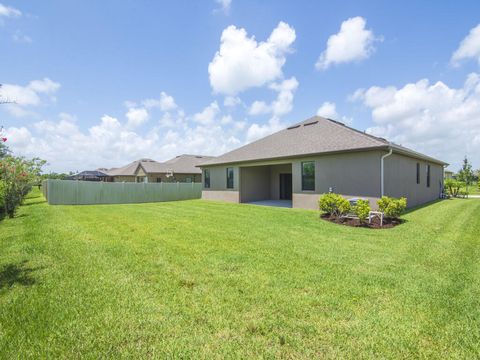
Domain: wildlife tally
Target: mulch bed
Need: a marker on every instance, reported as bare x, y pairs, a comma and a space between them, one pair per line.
375, 224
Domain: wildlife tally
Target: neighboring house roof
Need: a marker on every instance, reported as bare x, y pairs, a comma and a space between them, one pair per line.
182, 164
88, 174
130, 169
316, 135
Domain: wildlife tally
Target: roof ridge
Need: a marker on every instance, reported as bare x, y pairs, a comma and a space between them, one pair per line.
338, 123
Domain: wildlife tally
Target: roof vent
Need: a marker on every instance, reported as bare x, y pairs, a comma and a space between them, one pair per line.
293, 127
310, 123
337, 122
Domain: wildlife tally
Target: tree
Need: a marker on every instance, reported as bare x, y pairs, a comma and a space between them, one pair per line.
3, 147
465, 174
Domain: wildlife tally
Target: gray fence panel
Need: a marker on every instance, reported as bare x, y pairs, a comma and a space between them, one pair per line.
73, 192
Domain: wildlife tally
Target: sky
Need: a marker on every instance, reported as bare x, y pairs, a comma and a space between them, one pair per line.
103, 83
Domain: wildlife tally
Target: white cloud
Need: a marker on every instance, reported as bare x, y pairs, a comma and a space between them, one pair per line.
279, 107
8, 11
207, 115
469, 47
435, 119
284, 102
165, 103
242, 62
136, 117
259, 107
328, 110
231, 101
257, 131
224, 5
30, 95
282, 105
352, 43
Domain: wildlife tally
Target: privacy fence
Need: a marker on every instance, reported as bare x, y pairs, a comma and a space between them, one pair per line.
72, 192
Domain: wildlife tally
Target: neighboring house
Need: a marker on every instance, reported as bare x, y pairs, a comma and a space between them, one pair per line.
448, 174
317, 156
93, 175
182, 168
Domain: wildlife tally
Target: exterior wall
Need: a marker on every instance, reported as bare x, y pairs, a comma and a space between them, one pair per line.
254, 183
350, 174
310, 201
355, 174
401, 179
176, 178
275, 171
218, 185
221, 195
124, 178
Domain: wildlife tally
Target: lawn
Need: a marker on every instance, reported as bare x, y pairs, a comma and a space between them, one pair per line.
197, 279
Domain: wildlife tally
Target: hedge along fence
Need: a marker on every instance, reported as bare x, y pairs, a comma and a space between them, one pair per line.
73, 192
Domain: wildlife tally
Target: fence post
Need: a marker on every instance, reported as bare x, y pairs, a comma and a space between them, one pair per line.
76, 192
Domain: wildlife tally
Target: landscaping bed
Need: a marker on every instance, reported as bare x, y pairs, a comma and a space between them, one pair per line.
374, 224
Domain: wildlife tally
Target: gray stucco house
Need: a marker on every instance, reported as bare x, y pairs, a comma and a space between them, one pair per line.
316, 156
182, 168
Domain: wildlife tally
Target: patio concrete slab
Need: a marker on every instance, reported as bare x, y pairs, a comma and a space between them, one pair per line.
277, 203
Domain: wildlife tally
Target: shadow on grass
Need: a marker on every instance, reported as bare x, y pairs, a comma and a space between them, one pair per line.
36, 202
412, 209
20, 273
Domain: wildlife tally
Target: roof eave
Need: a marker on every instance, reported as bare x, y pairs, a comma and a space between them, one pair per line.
416, 155
371, 148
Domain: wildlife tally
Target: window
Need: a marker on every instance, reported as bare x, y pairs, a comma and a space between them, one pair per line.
418, 173
308, 175
229, 178
188, 180
206, 179
159, 180
428, 175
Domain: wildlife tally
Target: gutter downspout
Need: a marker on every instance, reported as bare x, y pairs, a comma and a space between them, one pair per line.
382, 185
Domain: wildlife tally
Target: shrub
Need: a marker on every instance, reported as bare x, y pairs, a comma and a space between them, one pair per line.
16, 176
453, 187
392, 208
2, 198
334, 204
362, 210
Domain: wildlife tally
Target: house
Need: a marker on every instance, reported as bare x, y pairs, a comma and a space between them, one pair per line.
182, 168
448, 174
317, 156
89, 175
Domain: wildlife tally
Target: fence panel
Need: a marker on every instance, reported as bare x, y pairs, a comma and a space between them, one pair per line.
73, 192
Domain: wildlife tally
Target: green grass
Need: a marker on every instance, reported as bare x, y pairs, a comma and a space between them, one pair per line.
473, 190
196, 279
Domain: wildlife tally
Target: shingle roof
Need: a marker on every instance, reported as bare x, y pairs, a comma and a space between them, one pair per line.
129, 169
182, 164
316, 135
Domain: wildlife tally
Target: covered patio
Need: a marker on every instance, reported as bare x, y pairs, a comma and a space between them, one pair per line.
266, 185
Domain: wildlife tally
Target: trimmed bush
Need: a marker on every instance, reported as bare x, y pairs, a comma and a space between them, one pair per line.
392, 208
362, 210
453, 187
334, 204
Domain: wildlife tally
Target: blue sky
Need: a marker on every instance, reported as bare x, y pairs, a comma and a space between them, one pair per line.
102, 83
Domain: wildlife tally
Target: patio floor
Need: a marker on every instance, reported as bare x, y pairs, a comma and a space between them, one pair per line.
277, 203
